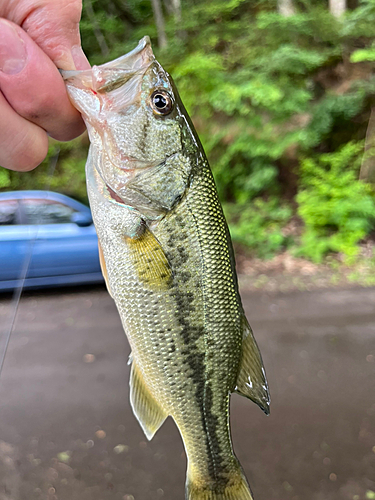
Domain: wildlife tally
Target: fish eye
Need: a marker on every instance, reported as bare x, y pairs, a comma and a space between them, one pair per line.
161, 102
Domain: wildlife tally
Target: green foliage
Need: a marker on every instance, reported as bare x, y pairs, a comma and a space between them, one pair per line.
5, 181
359, 23
338, 209
251, 80
362, 55
259, 226
68, 176
281, 105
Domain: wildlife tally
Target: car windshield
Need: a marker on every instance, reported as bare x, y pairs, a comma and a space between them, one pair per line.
43, 211
8, 212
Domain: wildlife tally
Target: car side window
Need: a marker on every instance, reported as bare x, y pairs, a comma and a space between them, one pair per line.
42, 211
9, 212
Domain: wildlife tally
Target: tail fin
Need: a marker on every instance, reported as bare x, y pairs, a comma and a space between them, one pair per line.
237, 489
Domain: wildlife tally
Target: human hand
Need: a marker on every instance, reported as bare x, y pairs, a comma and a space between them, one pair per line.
36, 38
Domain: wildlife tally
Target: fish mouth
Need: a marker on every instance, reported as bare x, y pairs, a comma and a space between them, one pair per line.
112, 75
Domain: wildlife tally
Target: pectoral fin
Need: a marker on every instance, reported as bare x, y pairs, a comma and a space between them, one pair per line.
149, 259
251, 380
149, 413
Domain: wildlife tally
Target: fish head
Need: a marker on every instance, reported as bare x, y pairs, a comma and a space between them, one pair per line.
137, 127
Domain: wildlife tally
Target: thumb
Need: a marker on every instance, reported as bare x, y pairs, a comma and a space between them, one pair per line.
54, 26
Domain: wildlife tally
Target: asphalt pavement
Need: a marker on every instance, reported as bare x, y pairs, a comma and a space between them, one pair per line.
67, 431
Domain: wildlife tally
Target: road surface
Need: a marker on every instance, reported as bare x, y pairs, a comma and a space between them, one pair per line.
67, 431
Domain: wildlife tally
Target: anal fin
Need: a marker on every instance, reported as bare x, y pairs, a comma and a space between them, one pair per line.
148, 411
251, 380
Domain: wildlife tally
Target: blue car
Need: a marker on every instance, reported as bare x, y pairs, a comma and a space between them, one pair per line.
51, 235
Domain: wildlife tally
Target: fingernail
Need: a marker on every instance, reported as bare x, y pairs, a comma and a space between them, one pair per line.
79, 58
12, 49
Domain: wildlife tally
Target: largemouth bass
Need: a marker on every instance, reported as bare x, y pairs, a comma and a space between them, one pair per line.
168, 262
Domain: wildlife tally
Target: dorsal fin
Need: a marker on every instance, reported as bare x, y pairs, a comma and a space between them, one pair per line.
251, 380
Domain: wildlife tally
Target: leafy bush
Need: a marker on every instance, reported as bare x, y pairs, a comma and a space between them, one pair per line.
338, 209
281, 105
68, 176
259, 226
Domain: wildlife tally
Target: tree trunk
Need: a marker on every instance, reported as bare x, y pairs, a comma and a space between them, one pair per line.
173, 8
177, 10
337, 7
159, 21
285, 7
367, 172
95, 26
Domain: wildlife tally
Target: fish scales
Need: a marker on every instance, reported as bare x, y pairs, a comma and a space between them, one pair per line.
167, 258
